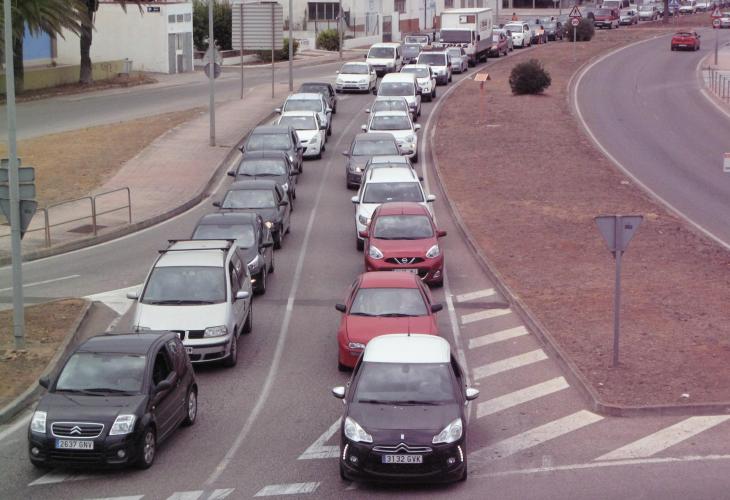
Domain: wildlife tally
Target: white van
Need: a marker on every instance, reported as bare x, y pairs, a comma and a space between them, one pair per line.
402, 85
385, 58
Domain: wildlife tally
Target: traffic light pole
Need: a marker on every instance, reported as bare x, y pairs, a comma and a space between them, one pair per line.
14, 184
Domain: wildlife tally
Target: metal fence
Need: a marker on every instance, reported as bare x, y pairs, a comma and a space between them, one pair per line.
719, 83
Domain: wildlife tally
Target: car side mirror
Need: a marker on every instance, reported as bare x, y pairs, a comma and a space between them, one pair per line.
364, 234
164, 385
338, 392
367, 110
231, 173
436, 307
364, 128
133, 295
471, 394
44, 382
283, 203
355, 200
341, 307
242, 148
267, 244
217, 204
417, 126
441, 234
346, 153
242, 294
329, 110
431, 198
277, 110
420, 178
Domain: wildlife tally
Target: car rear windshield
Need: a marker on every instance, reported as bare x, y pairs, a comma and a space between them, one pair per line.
419, 72
382, 192
382, 52
456, 36
242, 233
514, 28
177, 285
417, 39
454, 52
299, 122
249, 198
315, 88
262, 167
405, 383
303, 105
411, 49
396, 89
602, 12
379, 147
268, 142
394, 302
403, 227
432, 59
390, 123
354, 69
389, 105
102, 373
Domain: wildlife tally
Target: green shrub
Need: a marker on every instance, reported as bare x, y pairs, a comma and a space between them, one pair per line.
584, 31
328, 40
529, 78
279, 55
222, 24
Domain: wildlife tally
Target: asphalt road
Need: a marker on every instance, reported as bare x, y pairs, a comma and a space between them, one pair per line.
267, 425
644, 106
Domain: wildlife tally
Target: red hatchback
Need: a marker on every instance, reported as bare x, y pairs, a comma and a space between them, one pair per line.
403, 237
685, 40
380, 303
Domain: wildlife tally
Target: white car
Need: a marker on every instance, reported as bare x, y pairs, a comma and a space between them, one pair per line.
400, 125
440, 65
359, 76
425, 78
384, 57
402, 85
521, 34
382, 185
688, 7
306, 101
459, 60
310, 130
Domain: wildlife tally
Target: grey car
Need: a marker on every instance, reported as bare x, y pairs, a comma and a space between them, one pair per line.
410, 52
273, 165
364, 147
391, 103
324, 88
251, 235
459, 59
276, 138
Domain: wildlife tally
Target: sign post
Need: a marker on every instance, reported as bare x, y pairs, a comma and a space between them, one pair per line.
211, 74
716, 14
575, 17
617, 231
481, 78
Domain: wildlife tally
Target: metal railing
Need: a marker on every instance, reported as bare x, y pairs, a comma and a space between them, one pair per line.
719, 83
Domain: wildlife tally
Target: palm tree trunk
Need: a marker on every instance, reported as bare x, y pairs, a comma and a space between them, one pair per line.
665, 17
85, 70
18, 63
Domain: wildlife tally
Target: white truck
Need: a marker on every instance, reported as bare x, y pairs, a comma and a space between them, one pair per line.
467, 28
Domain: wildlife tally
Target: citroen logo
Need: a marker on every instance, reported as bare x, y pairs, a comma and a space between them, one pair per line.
402, 436
75, 430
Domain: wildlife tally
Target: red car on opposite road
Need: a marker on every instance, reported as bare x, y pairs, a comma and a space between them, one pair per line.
380, 303
403, 237
685, 40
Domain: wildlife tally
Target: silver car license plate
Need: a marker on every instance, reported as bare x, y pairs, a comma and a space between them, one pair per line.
74, 444
402, 459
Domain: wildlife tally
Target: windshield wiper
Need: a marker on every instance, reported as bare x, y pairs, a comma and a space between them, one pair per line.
412, 402
361, 314
375, 401
398, 315
108, 390
178, 302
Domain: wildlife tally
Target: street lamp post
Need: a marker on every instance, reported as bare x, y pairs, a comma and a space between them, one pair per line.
291, 49
339, 27
211, 73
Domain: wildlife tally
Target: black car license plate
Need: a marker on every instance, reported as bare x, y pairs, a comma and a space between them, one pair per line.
402, 459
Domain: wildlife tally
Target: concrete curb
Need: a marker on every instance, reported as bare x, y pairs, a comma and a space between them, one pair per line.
574, 375
34, 391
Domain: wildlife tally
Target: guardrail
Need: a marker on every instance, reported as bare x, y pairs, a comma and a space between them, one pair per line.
720, 83
93, 208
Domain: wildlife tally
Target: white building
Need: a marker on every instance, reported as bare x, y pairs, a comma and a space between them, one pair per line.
159, 38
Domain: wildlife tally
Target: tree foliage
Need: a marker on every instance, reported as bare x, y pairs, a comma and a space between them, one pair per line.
279, 55
328, 40
222, 24
529, 77
584, 31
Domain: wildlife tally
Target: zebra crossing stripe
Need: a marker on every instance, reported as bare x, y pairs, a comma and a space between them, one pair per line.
57, 476
521, 396
665, 438
479, 294
186, 495
482, 315
287, 489
512, 363
319, 449
493, 338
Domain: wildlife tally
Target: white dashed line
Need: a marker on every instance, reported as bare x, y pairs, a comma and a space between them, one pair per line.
57, 476
500, 336
287, 489
504, 365
522, 396
45, 282
186, 495
481, 315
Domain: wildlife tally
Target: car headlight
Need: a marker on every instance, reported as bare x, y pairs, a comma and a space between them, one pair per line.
124, 424
358, 170
375, 252
269, 224
355, 433
215, 331
255, 262
285, 187
434, 251
291, 158
38, 422
356, 345
363, 220
450, 434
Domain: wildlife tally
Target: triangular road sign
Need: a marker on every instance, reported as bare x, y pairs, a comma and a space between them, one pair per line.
716, 14
575, 13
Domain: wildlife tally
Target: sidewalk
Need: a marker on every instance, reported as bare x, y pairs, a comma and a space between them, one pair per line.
717, 77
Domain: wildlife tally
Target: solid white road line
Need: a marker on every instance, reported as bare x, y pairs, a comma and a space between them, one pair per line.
507, 364
186, 495
479, 294
11, 429
521, 396
45, 282
536, 436
131, 497
287, 489
319, 449
481, 315
500, 336
57, 476
116, 299
220, 494
665, 438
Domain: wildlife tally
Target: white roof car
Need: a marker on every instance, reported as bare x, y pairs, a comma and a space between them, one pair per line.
405, 348
355, 76
310, 130
308, 101
384, 57
425, 78
404, 85
400, 125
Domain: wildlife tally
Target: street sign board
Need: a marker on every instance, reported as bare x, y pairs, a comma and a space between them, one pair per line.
617, 230
575, 13
673, 4
481, 77
25, 174
716, 14
27, 192
216, 70
575, 21
263, 23
726, 163
27, 211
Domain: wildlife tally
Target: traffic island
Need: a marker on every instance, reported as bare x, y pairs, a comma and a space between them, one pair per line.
527, 198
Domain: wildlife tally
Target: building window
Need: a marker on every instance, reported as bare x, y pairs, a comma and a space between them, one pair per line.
399, 6
180, 18
323, 11
171, 18
188, 18
448, 4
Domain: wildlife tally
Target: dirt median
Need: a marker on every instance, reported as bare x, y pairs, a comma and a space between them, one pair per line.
532, 211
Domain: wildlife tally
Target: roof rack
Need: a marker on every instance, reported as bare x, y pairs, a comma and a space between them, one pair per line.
223, 247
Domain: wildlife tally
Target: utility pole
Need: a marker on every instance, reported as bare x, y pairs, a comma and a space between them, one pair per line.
240, 20
211, 73
291, 49
339, 27
14, 185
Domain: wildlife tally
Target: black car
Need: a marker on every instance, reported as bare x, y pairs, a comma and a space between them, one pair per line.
326, 89
116, 399
363, 148
405, 412
553, 29
410, 52
262, 197
251, 235
273, 165
276, 138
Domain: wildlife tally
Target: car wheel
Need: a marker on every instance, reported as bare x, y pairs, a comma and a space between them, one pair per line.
338, 91
433, 94
277, 240
329, 131
232, 359
342, 367
415, 158
148, 448
360, 244
191, 407
248, 324
261, 282
334, 109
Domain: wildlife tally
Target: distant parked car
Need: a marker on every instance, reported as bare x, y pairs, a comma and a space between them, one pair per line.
648, 12
685, 40
521, 34
538, 31
688, 7
703, 5
507, 33
629, 17
553, 29
606, 18
459, 59
326, 89
723, 22
500, 45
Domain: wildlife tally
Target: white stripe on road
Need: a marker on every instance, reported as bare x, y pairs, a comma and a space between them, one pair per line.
14, 427
480, 315
220, 494
493, 338
521, 396
131, 497
57, 476
287, 489
536, 436
504, 365
45, 282
663, 439
186, 495
116, 299
479, 294
319, 449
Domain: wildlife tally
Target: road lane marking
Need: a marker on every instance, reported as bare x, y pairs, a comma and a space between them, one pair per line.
482, 315
186, 495
536, 436
663, 439
57, 476
500, 336
507, 364
479, 294
319, 449
131, 497
11, 429
521, 396
117, 299
44, 282
287, 489
221, 493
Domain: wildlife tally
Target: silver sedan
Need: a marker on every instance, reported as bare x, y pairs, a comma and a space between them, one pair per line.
459, 59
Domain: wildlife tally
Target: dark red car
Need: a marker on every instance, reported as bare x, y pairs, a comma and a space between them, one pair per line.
403, 237
500, 45
380, 303
685, 40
